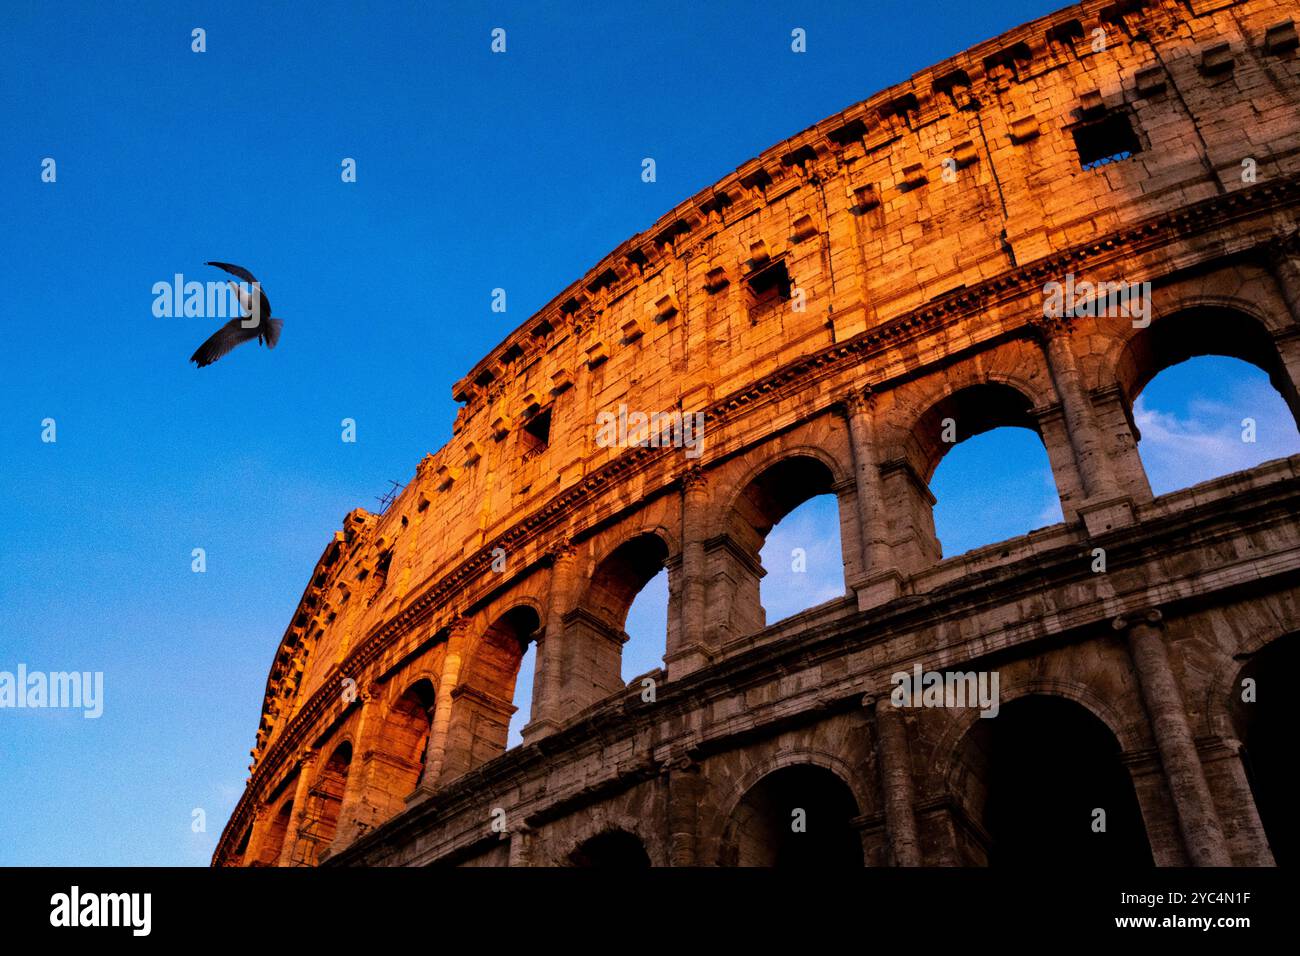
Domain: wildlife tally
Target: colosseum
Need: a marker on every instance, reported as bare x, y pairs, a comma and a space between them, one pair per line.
840, 311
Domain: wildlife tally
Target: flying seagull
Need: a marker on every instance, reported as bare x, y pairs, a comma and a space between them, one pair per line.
254, 323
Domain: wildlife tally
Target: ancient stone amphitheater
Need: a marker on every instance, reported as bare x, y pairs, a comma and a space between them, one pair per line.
840, 309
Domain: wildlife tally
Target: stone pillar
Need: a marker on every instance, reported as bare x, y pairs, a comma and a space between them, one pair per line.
692, 651
256, 836
299, 815
589, 662
521, 846
685, 789
354, 791
546, 715
1159, 817
881, 580
1242, 828
1283, 257
477, 732
1060, 458
1104, 506
1287, 343
909, 513
435, 753
896, 781
1114, 417
1197, 819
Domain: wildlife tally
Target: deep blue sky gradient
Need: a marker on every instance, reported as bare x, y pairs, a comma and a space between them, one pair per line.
474, 172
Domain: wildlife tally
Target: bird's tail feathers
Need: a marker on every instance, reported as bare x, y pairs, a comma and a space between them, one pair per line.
273, 327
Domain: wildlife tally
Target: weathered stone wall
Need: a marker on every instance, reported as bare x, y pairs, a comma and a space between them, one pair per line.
828, 307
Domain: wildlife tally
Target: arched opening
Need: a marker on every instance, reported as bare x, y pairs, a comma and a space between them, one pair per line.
1208, 417
523, 696
1045, 783
802, 559
982, 456
607, 644
406, 739
484, 701
1265, 720
615, 849
798, 816
1206, 394
647, 629
325, 799
273, 842
803, 556
995, 486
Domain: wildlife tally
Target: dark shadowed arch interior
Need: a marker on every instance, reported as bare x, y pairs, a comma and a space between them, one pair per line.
485, 700
273, 842
615, 849
325, 799
1268, 729
407, 735
798, 816
1033, 778
621, 576
496, 661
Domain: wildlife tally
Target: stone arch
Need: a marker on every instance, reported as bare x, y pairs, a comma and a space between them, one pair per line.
1129, 732
1193, 326
839, 471
277, 831
483, 699
1202, 326
588, 662
621, 572
963, 409
611, 849
324, 803
1038, 772
798, 812
1221, 686
789, 757
602, 820
425, 670
974, 409
762, 497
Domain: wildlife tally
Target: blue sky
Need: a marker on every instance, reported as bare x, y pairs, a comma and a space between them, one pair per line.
474, 172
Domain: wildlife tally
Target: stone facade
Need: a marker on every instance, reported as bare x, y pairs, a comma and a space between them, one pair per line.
831, 307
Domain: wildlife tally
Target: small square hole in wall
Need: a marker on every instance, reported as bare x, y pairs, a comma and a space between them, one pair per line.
769, 285
1108, 140
536, 434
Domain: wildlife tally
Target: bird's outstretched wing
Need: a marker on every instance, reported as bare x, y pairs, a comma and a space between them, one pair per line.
222, 341
248, 277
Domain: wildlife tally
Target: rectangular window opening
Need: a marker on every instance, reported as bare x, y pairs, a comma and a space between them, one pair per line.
1106, 141
536, 434
769, 285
